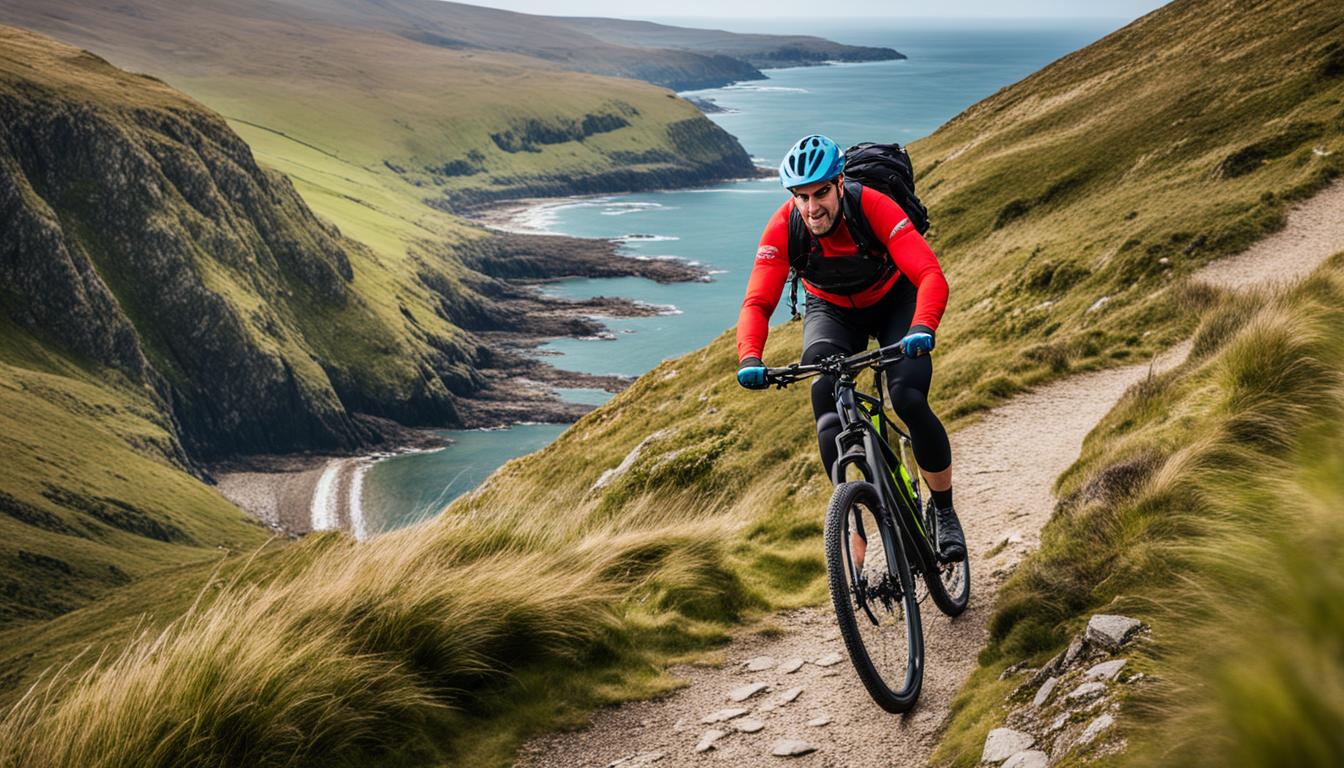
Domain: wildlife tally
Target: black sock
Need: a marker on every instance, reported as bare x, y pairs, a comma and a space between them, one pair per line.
941, 499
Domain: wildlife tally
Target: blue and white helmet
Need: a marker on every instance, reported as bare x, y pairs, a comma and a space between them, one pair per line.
814, 158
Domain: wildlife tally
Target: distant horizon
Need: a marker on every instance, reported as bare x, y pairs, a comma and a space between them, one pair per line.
804, 10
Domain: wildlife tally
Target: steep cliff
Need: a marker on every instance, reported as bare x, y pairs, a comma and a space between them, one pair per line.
165, 300
442, 102
143, 236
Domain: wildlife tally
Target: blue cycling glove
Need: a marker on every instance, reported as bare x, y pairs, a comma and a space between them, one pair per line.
918, 341
751, 374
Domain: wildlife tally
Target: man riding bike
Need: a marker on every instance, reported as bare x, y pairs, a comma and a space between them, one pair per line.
897, 296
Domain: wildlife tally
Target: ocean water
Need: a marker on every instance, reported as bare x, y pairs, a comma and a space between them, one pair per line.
409, 488
951, 65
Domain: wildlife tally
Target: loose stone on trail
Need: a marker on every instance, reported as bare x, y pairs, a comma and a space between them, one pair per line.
749, 725
760, 664
636, 760
791, 665
1111, 632
790, 695
829, 660
707, 741
818, 722
744, 692
722, 715
1003, 743
792, 748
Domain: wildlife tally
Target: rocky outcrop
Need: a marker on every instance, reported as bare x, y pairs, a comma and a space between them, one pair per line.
145, 235
142, 235
1069, 705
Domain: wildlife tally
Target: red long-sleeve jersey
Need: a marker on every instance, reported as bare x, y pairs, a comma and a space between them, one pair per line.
907, 248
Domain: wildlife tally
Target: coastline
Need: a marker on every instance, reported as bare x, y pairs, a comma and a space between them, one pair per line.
297, 494
301, 493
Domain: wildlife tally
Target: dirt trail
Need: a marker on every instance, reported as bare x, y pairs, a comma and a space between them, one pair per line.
1010, 460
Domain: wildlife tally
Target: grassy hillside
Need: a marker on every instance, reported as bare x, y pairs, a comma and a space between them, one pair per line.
1109, 174
1206, 504
418, 100
759, 50
94, 492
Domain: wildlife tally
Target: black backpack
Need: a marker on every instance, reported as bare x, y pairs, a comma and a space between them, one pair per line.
882, 167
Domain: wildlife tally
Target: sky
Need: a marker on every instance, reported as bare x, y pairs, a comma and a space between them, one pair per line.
625, 9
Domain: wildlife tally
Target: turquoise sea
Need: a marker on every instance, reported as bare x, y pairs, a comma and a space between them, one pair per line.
951, 65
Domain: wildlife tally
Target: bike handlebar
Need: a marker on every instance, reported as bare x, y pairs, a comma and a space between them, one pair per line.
836, 365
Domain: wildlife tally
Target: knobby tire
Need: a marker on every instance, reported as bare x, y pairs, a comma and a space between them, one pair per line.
892, 694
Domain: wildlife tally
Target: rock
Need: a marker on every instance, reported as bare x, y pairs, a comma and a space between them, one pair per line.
791, 665
790, 695
829, 673
1058, 723
1043, 695
760, 664
680, 726
611, 475
1111, 632
1095, 728
1013, 669
1071, 654
1107, 670
724, 715
744, 692
707, 741
818, 722
636, 760
1098, 304
792, 748
748, 725
1087, 691
829, 660
1033, 758
1003, 743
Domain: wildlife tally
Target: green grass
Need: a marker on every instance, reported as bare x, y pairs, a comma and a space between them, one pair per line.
94, 494
1181, 138
1204, 504
1106, 175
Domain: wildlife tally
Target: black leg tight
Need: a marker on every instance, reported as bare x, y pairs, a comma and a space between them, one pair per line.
907, 386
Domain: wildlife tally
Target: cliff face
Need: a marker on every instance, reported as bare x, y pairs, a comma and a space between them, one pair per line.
142, 235
475, 104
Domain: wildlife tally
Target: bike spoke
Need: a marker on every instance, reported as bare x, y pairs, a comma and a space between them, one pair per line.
880, 612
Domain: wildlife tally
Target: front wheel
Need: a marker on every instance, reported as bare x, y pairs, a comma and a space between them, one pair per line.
874, 599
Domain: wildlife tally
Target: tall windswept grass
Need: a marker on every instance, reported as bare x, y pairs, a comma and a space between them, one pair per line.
349, 658
1208, 505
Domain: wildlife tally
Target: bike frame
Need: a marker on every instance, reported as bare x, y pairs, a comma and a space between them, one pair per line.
862, 442
864, 425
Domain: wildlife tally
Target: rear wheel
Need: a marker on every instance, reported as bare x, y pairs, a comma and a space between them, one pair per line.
875, 602
950, 583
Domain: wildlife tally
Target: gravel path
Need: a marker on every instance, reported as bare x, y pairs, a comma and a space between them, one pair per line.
1314, 233
1008, 462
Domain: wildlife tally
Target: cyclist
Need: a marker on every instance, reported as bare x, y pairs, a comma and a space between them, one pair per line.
900, 297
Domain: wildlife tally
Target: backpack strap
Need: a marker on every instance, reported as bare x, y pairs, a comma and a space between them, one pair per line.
851, 207
802, 247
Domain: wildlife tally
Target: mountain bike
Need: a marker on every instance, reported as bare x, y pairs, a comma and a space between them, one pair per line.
877, 488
